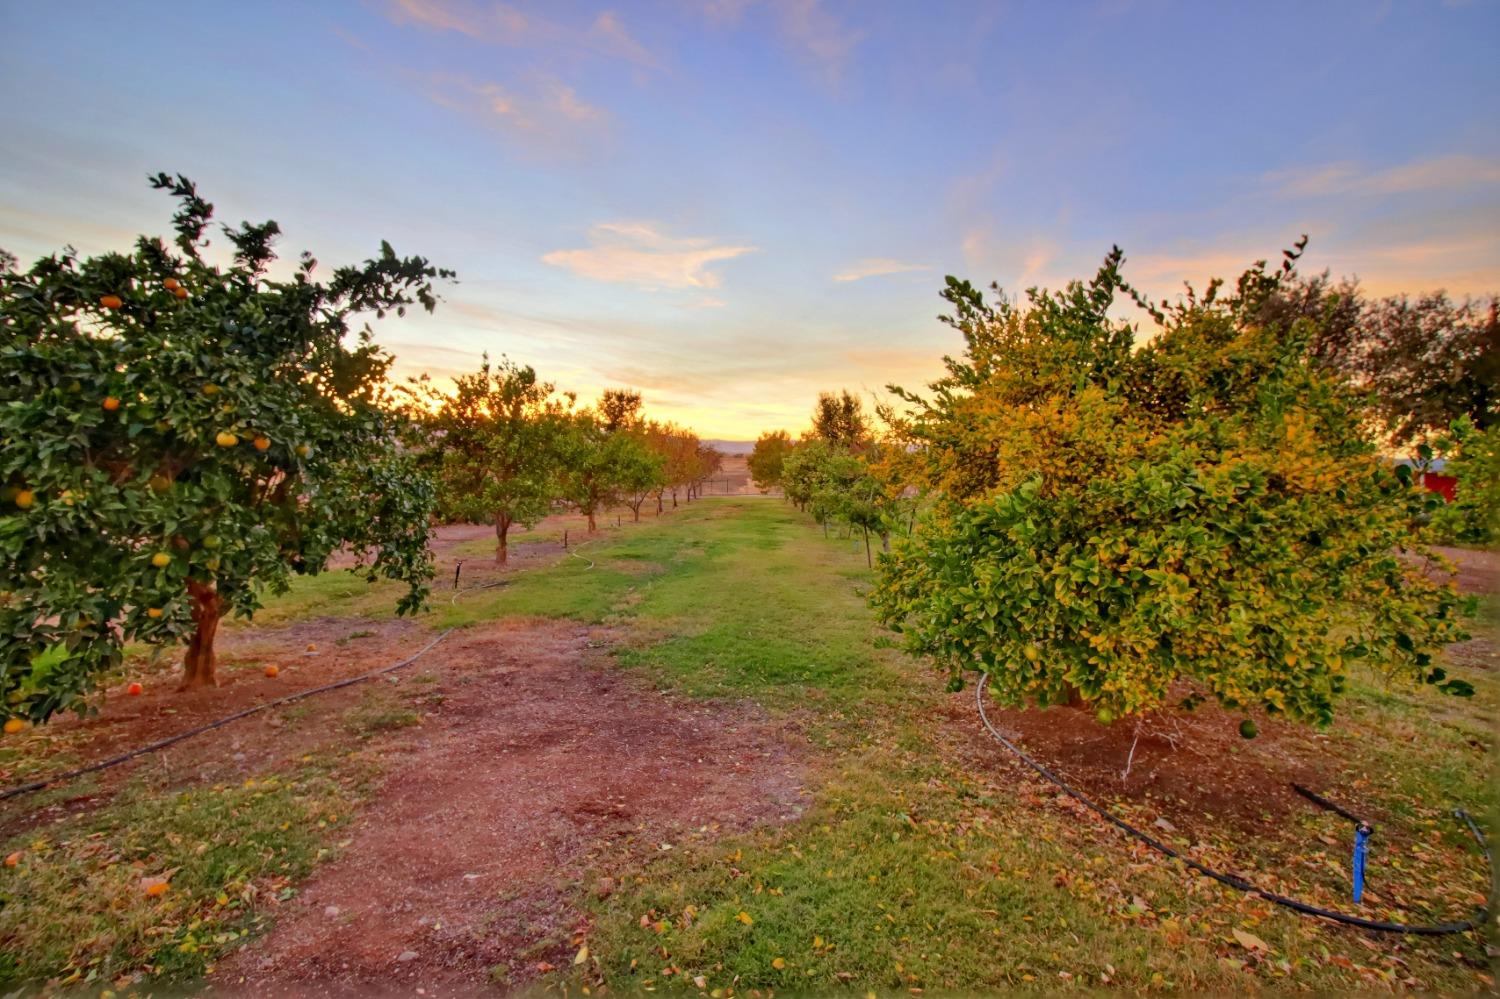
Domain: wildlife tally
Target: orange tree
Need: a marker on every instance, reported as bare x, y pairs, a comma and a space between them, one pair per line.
766, 460
180, 436
497, 443
1113, 527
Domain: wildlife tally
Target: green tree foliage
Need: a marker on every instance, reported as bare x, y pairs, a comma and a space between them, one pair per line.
839, 418
1422, 361
498, 443
1113, 527
765, 461
179, 436
1473, 458
607, 455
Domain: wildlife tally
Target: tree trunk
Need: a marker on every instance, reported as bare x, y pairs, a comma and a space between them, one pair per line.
198, 665
658, 504
674, 499
869, 562
590, 514
502, 546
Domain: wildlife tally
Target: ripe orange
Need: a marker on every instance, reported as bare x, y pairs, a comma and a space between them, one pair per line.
303, 450
171, 284
210, 389
153, 612
111, 403
161, 560
180, 292
272, 670
262, 443
311, 647
226, 439
14, 725
111, 301
156, 888
159, 483
13, 859
25, 498
134, 690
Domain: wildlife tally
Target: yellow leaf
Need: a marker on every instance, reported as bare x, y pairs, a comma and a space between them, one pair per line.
1250, 941
582, 955
744, 917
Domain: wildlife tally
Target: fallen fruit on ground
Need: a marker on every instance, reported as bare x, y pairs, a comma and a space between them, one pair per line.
272, 670
14, 725
13, 859
134, 690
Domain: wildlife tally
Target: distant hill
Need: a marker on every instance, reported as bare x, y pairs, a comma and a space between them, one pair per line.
731, 447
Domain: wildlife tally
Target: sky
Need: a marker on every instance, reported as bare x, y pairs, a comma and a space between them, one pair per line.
734, 204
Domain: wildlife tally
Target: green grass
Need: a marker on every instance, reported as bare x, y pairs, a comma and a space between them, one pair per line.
75, 909
911, 867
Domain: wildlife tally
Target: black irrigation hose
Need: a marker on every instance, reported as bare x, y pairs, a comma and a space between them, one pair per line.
114, 761
1232, 880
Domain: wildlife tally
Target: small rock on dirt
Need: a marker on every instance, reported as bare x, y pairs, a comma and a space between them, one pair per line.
331, 912
406, 955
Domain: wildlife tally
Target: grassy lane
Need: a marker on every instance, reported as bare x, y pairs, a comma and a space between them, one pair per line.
912, 868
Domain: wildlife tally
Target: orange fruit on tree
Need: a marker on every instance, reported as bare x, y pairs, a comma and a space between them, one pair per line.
134, 690
161, 560
111, 403
14, 725
210, 389
171, 284
226, 439
25, 498
272, 670
111, 301
153, 612
180, 291
303, 450
262, 443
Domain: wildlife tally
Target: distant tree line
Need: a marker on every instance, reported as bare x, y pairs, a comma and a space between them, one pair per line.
506, 448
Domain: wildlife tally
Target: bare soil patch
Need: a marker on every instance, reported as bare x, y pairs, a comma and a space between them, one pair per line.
539, 757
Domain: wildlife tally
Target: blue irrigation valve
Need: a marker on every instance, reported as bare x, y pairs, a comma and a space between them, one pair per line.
1362, 834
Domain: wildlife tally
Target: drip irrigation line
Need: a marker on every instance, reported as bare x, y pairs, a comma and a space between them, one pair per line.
114, 761
574, 552
1233, 880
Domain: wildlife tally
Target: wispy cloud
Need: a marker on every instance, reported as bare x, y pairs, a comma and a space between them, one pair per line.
818, 33
639, 253
616, 40
485, 22
548, 112
807, 27
502, 24
1442, 172
875, 267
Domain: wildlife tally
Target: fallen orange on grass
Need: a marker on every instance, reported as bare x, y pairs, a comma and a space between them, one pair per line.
13, 859
134, 689
154, 886
272, 670
14, 725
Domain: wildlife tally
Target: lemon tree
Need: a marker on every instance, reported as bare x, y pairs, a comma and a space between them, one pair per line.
180, 435
1114, 526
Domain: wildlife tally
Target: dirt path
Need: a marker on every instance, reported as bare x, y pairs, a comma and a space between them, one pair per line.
541, 755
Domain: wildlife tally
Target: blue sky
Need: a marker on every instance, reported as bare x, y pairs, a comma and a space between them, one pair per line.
733, 204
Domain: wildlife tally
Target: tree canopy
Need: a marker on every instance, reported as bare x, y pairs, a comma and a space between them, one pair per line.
180, 436
1200, 517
